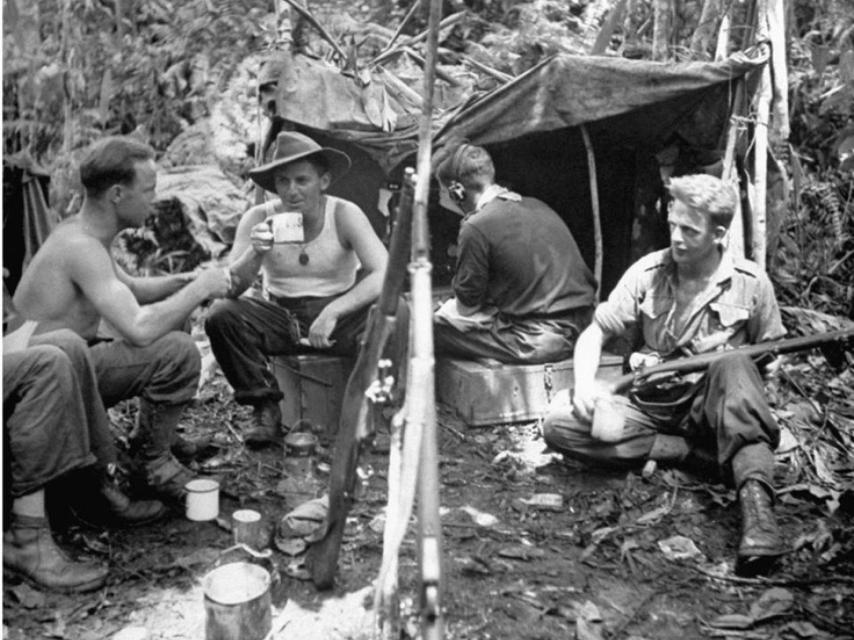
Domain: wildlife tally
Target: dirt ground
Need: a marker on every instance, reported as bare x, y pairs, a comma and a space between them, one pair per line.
601, 562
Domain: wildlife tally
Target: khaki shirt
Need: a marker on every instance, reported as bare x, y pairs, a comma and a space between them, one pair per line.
738, 307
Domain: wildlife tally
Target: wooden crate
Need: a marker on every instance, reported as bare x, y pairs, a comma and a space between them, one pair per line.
485, 394
314, 387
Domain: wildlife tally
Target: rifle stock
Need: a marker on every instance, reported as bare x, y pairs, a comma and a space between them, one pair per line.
352, 424
702, 361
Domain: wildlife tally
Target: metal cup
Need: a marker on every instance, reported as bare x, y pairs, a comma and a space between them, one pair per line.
287, 227
247, 526
202, 499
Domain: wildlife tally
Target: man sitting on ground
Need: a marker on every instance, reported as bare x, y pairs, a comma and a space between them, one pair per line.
691, 298
522, 290
74, 283
313, 298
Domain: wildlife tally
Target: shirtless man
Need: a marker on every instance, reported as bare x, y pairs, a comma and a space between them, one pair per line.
693, 297
74, 283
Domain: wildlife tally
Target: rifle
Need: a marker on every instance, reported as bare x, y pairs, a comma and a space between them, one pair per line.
353, 427
701, 362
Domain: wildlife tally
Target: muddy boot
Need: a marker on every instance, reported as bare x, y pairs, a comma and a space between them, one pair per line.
164, 475
266, 426
761, 542
30, 552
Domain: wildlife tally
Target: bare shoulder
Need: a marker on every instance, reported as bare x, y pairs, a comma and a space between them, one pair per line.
350, 220
51, 287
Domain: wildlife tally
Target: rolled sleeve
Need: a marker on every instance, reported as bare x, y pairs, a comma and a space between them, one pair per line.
621, 310
765, 321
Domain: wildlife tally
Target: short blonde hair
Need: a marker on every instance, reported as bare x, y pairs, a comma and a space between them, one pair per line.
465, 163
707, 194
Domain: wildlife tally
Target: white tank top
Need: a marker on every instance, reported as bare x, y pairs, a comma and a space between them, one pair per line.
330, 270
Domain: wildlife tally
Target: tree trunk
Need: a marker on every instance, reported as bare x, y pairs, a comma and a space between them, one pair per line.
776, 19
702, 37
661, 29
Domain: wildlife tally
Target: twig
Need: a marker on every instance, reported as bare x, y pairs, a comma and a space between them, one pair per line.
495, 73
305, 13
234, 433
456, 432
423, 63
399, 30
769, 582
389, 51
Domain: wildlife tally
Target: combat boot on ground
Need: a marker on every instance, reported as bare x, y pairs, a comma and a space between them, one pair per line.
761, 542
30, 552
266, 426
155, 434
111, 507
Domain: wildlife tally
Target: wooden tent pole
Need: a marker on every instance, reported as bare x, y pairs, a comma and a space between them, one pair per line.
735, 236
760, 147
594, 200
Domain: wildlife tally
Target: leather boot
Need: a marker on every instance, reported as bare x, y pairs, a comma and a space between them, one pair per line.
156, 428
164, 475
125, 512
112, 507
266, 426
166, 478
30, 552
761, 542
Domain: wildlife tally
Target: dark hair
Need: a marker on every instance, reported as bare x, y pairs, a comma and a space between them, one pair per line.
112, 161
466, 163
716, 199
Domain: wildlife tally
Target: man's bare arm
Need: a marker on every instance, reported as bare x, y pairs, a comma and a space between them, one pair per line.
585, 363
358, 233
92, 270
248, 252
355, 231
154, 288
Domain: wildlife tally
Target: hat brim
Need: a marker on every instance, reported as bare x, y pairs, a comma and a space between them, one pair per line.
264, 176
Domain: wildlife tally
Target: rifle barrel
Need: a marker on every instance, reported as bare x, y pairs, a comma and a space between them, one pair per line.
702, 361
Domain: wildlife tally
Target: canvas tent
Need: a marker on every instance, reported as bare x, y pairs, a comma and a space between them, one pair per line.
640, 115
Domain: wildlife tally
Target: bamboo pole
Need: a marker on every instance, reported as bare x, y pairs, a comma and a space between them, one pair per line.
735, 234
422, 363
722, 46
760, 164
594, 200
